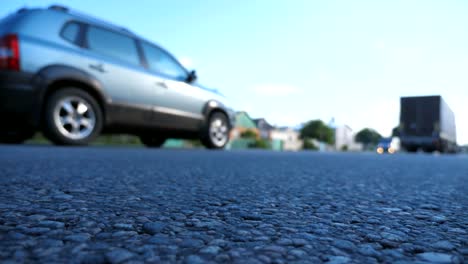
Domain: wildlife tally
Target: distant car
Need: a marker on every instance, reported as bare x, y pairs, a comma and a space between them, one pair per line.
74, 77
388, 145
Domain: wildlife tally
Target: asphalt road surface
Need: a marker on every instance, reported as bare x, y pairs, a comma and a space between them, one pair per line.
133, 205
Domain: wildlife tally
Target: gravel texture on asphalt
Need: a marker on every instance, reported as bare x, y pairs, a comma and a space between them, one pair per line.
121, 205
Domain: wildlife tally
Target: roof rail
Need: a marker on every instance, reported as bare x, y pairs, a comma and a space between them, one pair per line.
59, 8
88, 17
126, 30
21, 10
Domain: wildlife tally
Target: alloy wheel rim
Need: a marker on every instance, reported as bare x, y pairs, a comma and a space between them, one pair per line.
74, 117
218, 132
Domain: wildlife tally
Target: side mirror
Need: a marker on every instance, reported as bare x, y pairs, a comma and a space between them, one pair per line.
191, 77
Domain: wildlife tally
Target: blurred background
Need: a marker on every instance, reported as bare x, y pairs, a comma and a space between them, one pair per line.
346, 63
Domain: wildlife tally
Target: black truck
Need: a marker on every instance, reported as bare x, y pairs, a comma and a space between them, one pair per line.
428, 124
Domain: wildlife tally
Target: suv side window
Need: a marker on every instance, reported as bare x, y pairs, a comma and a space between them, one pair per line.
70, 32
113, 45
162, 62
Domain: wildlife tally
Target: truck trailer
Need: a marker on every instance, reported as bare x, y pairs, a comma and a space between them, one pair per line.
428, 124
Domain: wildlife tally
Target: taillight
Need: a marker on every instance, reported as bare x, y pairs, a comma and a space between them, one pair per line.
9, 53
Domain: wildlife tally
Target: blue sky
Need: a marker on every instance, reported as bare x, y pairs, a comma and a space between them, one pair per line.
293, 61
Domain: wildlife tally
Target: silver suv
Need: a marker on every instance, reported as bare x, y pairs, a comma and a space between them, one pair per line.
75, 77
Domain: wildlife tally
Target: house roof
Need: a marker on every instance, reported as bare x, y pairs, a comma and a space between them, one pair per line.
263, 124
243, 120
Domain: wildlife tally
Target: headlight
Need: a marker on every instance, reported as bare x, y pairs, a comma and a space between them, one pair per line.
380, 150
391, 150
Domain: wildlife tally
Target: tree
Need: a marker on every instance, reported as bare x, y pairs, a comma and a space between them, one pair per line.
367, 137
260, 144
344, 148
248, 134
309, 145
318, 130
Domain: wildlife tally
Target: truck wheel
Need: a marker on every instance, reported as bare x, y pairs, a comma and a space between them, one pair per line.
152, 141
72, 117
216, 134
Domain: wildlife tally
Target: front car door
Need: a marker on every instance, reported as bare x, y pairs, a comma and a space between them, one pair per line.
178, 104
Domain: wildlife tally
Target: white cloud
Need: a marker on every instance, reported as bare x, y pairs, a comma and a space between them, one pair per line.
275, 90
380, 44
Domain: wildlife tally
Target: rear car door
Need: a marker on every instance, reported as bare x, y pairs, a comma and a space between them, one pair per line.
114, 59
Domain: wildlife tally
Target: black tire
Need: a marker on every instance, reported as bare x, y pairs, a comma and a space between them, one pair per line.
411, 149
152, 141
57, 133
15, 137
209, 137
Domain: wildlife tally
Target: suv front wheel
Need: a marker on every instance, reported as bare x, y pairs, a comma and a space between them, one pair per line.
216, 133
72, 117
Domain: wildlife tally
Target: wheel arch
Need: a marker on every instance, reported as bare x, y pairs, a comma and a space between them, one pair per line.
57, 77
214, 106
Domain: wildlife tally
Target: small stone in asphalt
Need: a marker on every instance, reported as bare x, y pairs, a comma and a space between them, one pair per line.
192, 243
299, 242
338, 260
392, 237
36, 231
16, 235
285, 242
52, 224
276, 249
368, 250
37, 217
252, 217
444, 245
63, 197
439, 219
436, 257
194, 259
159, 239
124, 233
298, 253
92, 258
123, 226
344, 244
52, 243
430, 207
153, 228
211, 250
119, 255
82, 237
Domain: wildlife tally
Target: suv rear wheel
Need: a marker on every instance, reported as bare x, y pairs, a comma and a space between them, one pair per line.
216, 134
72, 117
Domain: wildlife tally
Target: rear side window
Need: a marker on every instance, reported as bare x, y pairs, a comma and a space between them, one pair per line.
113, 44
70, 31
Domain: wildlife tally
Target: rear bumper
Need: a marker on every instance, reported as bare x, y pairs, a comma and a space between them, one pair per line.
19, 101
428, 143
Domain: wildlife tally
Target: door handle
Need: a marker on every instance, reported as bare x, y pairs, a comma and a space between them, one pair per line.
162, 84
97, 67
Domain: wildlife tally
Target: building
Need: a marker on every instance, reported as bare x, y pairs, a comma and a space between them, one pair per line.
344, 139
243, 123
264, 128
289, 138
